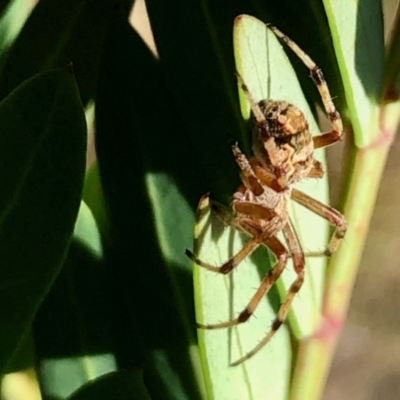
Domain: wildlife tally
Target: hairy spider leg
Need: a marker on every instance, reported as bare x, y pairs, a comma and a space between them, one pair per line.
336, 133
334, 217
298, 263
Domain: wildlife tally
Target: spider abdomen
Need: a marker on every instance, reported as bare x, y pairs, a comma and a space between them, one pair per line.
287, 127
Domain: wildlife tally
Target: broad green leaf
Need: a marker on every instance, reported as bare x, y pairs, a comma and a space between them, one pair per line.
315, 39
42, 160
268, 74
357, 34
119, 385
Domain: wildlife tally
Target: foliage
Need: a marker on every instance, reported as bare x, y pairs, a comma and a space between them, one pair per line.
96, 293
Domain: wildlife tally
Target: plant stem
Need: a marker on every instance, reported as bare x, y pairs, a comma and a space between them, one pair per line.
316, 352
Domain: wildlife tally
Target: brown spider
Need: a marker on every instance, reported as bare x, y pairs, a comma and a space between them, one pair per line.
283, 148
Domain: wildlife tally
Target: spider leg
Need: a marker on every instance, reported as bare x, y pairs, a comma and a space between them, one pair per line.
270, 145
258, 114
222, 212
244, 207
268, 179
298, 263
257, 211
335, 134
244, 225
248, 176
233, 262
265, 177
275, 245
330, 214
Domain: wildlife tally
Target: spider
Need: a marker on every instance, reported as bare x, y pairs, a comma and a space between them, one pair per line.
283, 149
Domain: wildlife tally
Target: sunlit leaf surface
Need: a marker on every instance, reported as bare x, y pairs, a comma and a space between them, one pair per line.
357, 34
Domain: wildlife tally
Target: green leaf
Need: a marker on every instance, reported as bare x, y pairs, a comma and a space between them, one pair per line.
55, 34
22, 384
84, 44
42, 153
87, 233
39, 42
315, 39
12, 19
269, 75
120, 385
357, 33
3, 5
61, 377
202, 82
149, 173
392, 63
72, 328
94, 198
220, 298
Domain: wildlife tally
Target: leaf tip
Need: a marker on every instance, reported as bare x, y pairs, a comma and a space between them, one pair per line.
239, 18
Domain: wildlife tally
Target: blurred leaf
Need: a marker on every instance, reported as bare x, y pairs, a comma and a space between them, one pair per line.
173, 226
199, 70
12, 20
72, 328
87, 233
84, 44
357, 33
39, 42
121, 385
24, 357
94, 198
392, 64
61, 377
56, 33
42, 153
3, 5
150, 176
21, 385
